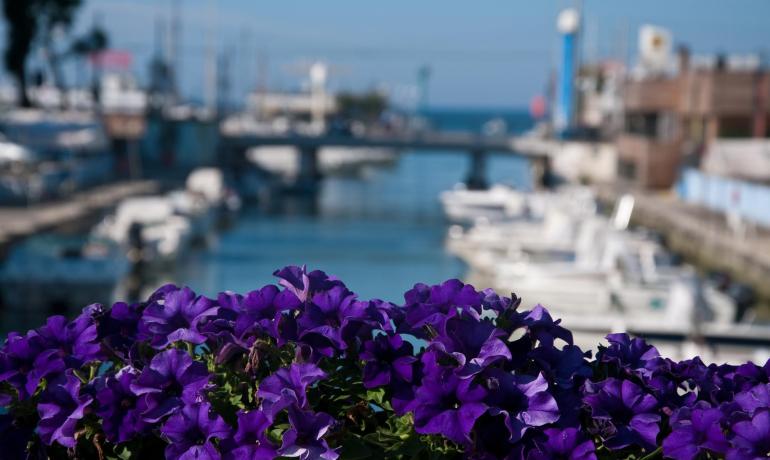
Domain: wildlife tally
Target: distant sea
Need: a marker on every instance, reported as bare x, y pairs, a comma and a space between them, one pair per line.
380, 232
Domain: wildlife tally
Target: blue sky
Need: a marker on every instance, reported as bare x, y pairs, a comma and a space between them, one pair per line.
483, 53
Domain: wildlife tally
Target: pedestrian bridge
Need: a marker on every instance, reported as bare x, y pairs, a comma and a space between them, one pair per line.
234, 144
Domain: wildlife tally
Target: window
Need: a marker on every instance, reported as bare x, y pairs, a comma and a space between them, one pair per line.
735, 126
643, 124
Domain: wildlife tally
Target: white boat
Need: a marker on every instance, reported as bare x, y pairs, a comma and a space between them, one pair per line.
148, 228
558, 233
570, 231
284, 161
60, 275
600, 277
462, 205
19, 181
73, 144
209, 184
501, 203
200, 214
691, 319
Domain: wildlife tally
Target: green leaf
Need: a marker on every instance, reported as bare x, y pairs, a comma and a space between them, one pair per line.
376, 396
355, 448
120, 452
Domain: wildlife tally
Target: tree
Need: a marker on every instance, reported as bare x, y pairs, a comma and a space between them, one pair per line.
89, 44
31, 20
93, 41
53, 16
367, 106
22, 28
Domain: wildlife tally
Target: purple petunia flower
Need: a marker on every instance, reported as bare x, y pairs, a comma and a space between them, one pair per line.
567, 443
431, 305
447, 405
67, 345
630, 354
25, 361
305, 437
694, 431
322, 323
472, 342
751, 438
171, 380
260, 312
288, 386
191, 430
566, 367
489, 378
494, 302
250, 440
540, 326
625, 414
754, 399
523, 401
119, 327
303, 284
77, 341
749, 374
61, 407
176, 317
119, 408
388, 358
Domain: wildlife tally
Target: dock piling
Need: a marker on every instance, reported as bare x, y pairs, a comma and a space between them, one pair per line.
309, 174
477, 177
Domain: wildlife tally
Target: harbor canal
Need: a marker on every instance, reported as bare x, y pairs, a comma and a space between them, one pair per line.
381, 229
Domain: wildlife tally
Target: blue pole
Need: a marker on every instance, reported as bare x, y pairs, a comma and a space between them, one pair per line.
566, 85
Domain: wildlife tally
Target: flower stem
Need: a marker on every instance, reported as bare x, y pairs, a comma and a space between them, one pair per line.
654, 454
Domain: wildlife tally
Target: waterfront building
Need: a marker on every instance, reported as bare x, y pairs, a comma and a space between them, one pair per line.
684, 114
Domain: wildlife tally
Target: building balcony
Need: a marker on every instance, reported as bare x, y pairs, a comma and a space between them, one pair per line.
658, 95
649, 162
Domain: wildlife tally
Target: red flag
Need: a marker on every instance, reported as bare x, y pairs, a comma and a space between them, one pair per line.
111, 60
537, 107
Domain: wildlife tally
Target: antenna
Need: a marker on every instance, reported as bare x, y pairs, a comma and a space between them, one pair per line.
262, 71
243, 65
223, 81
175, 59
423, 82
210, 63
591, 39
158, 37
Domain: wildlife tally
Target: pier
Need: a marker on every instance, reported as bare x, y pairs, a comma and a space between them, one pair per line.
703, 237
234, 144
19, 222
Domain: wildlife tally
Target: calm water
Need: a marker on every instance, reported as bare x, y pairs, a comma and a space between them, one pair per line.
380, 232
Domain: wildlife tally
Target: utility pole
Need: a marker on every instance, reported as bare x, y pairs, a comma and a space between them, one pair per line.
262, 72
210, 63
175, 38
223, 82
423, 82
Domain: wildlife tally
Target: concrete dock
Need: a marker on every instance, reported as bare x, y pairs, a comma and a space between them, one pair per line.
17, 222
703, 237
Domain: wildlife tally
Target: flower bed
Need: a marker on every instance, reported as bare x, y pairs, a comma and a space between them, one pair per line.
308, 370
